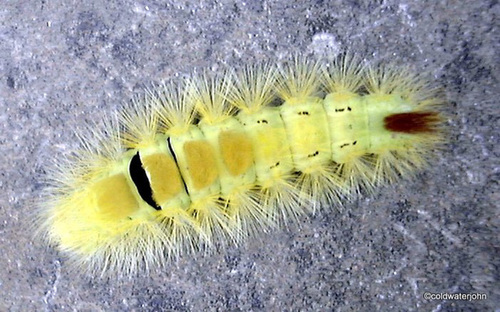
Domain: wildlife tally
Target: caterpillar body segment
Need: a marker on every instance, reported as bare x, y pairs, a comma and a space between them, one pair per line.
218, 159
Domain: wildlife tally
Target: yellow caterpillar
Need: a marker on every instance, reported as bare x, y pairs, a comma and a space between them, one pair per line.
214, 160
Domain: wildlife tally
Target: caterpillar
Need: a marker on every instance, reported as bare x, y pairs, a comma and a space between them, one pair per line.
215, 159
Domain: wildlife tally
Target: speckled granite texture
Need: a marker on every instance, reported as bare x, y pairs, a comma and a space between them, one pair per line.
63, 63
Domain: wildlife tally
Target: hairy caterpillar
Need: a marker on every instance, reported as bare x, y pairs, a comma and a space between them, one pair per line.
213, 160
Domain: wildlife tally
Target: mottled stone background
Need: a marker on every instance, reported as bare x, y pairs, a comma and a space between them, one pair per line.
65, 63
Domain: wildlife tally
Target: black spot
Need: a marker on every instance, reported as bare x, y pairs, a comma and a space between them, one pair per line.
338, 110
313, 154
348, 108
194, 213
223, 203
354, 143
304, 113
141, 181
344, 145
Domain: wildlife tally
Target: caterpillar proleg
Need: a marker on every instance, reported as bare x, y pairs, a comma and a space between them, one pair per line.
215, 159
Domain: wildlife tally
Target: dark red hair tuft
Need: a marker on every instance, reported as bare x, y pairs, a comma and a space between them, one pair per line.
416, 122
